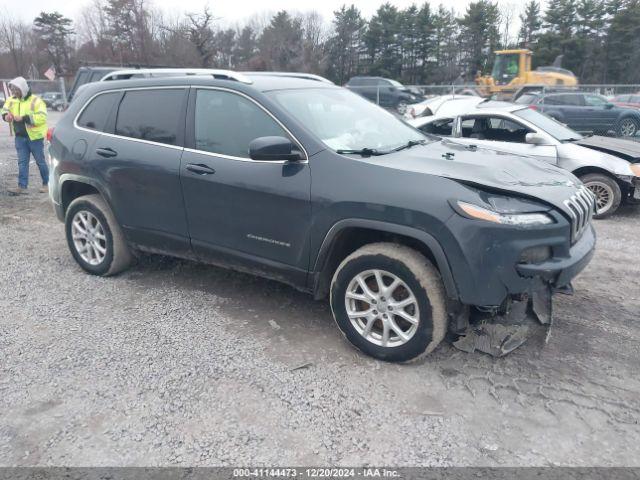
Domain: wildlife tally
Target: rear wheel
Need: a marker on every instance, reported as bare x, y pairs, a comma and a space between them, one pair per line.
402, 106
607, 192
628, 127
95, 238
389, 301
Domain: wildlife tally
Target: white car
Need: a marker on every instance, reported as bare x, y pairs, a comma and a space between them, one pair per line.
518, 129
440, 105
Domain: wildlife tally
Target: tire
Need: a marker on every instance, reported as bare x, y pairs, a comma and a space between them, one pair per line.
607, 192
627, 127
107, 235
401, 107
418, 280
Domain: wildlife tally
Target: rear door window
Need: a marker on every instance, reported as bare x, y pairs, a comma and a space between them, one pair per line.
572, 100
95, 114
595, 101
152, 115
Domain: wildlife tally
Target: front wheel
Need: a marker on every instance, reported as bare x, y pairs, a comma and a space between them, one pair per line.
607, 192
95, 238
389, 301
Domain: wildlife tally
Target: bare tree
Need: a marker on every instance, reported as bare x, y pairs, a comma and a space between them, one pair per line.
200, 33
314, 39
14, 38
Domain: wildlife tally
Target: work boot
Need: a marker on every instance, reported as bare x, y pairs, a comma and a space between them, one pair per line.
17, 191
44, 189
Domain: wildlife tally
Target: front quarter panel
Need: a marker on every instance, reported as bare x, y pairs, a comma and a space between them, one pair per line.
572, 157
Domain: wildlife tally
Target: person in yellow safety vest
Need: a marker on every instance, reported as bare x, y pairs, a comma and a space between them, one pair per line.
26, 114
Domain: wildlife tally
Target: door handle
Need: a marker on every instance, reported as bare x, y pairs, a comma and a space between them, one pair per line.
200, 169
106, 152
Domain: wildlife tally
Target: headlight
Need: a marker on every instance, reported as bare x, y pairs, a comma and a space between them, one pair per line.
635, 168
522, 219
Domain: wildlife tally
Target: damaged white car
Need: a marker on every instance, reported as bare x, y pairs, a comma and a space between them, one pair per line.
520, 130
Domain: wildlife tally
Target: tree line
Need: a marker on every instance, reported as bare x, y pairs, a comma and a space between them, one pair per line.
421, 44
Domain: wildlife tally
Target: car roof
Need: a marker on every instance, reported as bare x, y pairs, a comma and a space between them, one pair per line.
455, 108
260, 82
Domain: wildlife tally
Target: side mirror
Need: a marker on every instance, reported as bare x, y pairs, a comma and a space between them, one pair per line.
536, 139
273, 149
609, 106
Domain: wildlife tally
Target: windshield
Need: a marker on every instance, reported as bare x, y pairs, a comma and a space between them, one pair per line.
396, 84
346, 121
505, 68
548, 125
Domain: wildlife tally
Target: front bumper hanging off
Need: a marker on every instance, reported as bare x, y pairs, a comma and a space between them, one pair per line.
500, 333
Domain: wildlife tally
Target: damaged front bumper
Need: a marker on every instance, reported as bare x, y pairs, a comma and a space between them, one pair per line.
501, 329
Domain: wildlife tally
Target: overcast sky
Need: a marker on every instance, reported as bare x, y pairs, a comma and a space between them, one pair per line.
231, 11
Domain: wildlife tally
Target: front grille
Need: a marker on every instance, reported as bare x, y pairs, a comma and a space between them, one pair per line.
581, 207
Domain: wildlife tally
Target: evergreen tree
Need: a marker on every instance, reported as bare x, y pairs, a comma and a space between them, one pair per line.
624, 44
281, 42
53, 32
425, 44
344, 44
445, 46
531, 24
381, 42
245, 47
479, 35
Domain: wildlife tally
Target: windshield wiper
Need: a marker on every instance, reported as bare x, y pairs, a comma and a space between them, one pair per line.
365, 152
409, 144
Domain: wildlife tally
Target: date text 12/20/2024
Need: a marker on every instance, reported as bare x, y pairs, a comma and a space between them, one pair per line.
316, 473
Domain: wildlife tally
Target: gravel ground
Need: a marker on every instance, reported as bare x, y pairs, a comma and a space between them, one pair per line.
175, 363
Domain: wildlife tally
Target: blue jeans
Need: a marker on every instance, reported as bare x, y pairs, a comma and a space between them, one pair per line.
25, 149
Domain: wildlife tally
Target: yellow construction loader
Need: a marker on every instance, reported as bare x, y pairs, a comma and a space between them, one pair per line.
512, 72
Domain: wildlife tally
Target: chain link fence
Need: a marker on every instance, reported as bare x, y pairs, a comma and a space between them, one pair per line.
53, 92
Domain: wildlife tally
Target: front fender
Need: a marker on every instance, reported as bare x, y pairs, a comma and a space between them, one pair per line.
573, 157
431, 243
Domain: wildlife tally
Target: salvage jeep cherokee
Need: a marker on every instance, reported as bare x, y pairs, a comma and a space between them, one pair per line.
307, 183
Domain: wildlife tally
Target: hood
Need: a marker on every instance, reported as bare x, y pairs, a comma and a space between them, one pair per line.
586, 156
625, 149
487, 168
21, 84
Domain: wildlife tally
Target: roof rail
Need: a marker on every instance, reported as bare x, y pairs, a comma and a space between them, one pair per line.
305, 76
129, 73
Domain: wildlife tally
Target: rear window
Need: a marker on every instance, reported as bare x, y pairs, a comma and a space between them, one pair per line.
526, 99
95, 114
152, 115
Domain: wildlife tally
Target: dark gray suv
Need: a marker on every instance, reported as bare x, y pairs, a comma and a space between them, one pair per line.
310, 184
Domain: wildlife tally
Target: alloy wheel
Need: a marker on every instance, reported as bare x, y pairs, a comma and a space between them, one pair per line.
382, 308
88, 237
604, 196
628, 128
402, 108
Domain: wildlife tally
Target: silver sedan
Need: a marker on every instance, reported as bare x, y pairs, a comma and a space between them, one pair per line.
520, 130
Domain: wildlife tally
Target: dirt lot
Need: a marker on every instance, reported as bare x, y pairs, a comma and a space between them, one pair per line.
174, 363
